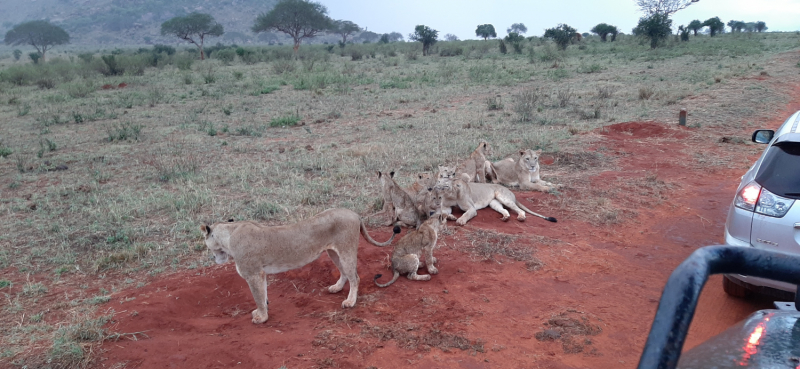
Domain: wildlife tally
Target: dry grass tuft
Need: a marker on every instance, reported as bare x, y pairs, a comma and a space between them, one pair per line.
572, 329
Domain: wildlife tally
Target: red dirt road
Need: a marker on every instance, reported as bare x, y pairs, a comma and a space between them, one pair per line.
592, 302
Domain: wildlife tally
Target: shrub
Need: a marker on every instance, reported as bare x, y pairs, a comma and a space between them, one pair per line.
124, 131
656, 28
451, 50
158, 48
225, 55
112, 67
17, 54
86, 57
35, 57
283, 66
525, 104
561, 35
288, 121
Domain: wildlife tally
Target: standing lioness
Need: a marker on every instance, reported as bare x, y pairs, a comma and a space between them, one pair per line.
259, 250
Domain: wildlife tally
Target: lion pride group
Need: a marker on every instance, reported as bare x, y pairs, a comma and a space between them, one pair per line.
426, 205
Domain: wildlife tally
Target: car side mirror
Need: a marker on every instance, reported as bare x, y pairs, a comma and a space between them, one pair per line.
763, 136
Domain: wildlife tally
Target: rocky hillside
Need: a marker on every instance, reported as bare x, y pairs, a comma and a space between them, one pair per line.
135, 22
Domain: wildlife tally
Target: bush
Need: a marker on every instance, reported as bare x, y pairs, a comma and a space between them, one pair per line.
451, 50
112, 68
525, 104
227, 56
169, 50
35, 57
561, 35
86, 57
288, 121
17, 54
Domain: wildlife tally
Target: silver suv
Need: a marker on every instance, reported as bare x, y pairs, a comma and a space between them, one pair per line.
764, 214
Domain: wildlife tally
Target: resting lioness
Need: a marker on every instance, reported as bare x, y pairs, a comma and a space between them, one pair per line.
259, 250
470, 197
410, 248
521, 170
398, 205
474, 168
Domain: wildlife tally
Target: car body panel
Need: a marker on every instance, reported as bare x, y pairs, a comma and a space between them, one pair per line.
766, 339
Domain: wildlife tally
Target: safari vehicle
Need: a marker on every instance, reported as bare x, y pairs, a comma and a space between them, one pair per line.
766, 339
763, 214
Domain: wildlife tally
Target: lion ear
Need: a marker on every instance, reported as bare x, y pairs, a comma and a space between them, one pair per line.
391, 174
205, 229
379, 173
539, 151
521, 152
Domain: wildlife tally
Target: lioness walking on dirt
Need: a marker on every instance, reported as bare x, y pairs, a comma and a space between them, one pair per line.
259, 250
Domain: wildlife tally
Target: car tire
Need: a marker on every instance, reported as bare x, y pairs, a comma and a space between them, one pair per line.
734, 289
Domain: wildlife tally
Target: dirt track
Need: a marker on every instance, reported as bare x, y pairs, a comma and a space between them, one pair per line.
589, 306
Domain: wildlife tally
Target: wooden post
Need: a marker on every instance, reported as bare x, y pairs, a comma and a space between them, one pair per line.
682, 117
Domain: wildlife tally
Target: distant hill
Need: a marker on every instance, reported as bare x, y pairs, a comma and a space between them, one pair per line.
129, 22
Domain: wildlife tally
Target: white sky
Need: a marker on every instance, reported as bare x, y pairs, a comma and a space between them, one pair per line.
461, 17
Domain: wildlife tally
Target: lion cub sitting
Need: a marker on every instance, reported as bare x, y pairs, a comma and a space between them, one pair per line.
398, 204
408, 251
521, 170
474, 168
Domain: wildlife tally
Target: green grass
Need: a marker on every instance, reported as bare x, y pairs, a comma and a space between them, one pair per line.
149, 162
284, 121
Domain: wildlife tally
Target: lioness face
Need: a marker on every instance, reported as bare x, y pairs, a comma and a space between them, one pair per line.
530, 159
220, 256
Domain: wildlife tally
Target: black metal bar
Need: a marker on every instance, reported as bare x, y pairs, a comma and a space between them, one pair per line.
679, 299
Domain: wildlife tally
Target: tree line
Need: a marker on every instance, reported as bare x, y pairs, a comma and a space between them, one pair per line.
306, 19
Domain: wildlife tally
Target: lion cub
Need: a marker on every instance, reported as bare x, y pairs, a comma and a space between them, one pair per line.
398, 205
408, 251
474, 168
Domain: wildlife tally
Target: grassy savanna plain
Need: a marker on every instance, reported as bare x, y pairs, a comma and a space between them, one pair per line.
109, 165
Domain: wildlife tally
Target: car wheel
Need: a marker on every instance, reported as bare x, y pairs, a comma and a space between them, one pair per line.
734, 289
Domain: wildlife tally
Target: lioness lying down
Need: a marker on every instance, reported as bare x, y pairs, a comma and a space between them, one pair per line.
470, 197
259, 250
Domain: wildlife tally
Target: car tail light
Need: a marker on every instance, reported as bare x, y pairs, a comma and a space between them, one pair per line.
748, 197
755, 198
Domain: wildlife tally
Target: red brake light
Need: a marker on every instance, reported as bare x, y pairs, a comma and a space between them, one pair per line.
750, 194
748, 197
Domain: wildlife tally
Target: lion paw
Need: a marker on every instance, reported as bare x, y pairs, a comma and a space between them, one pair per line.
258, 318
348, 304
504, 218
432, 270
521, 217
335, 288
451, 217
461, 222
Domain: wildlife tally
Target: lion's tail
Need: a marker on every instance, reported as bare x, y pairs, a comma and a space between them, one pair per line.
387, 284
549, 219
369, 239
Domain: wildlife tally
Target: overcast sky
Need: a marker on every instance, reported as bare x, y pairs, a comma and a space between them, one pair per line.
461, 17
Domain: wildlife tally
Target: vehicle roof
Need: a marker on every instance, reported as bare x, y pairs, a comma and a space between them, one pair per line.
788, 137
791, 125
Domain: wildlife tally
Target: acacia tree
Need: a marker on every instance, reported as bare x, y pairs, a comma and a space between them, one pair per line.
760, 26
655, 28
194, 28
297, 18
736, 26
562, 35
344, 28
426, 35
714, 25
485, 31
518, 28
666, 7
40, 34
695, 26
603, 30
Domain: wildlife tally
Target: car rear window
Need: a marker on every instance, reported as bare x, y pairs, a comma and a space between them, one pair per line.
780, 170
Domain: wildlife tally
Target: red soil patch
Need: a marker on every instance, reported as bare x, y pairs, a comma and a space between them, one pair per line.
122, 85
590, 304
